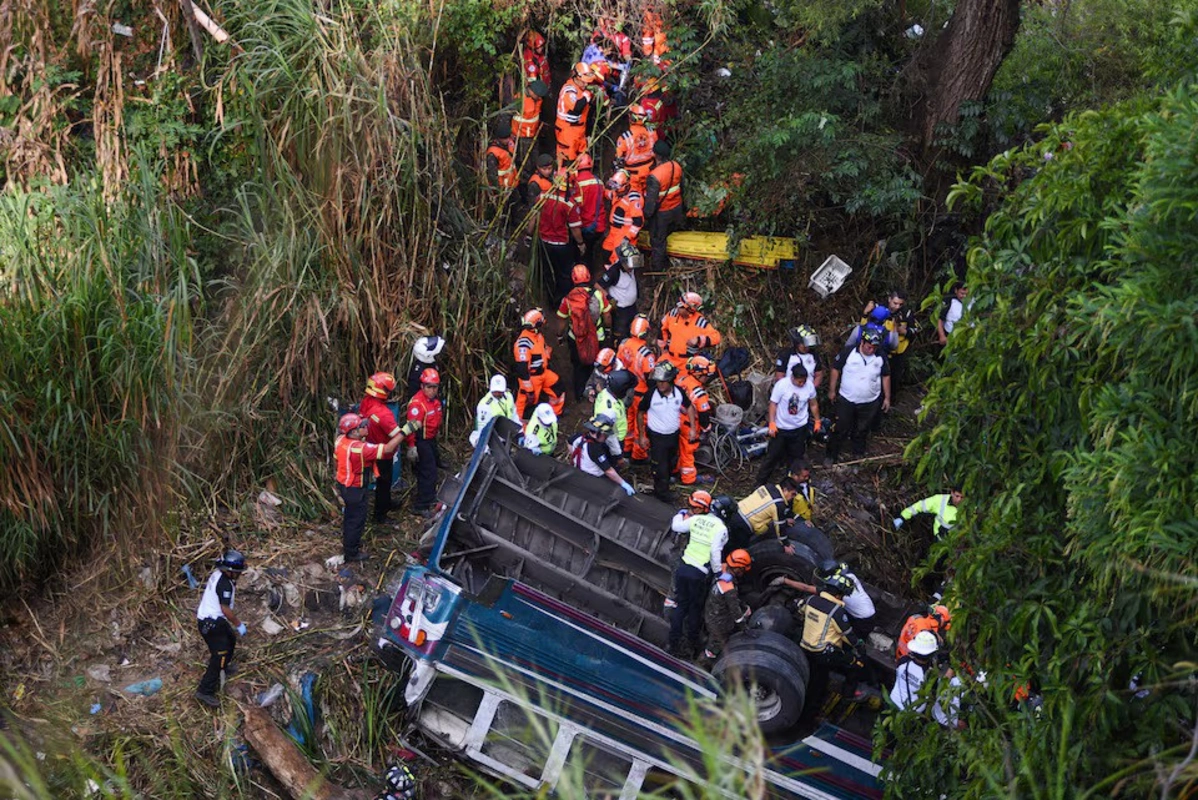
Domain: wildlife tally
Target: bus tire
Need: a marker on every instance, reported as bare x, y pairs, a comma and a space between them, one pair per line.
773, 642
774, 681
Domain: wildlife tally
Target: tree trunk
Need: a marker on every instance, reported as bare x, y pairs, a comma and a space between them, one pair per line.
960, 65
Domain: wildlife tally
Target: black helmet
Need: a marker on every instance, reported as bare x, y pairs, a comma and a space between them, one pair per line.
664, 372
804, 334
872, 335
232, 560
620, 382
836, 584
723, 507
600, 423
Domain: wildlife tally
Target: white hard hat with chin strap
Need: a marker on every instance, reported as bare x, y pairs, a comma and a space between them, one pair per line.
427, 348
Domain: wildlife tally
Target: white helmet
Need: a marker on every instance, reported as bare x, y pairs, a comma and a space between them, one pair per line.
544, 414
427, 348
498, 383
924, 644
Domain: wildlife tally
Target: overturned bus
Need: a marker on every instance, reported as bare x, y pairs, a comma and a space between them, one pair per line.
533, 640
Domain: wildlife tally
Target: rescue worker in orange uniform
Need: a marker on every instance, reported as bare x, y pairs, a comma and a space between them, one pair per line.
355, 457
637, 356
539, 182
535, 64
573, 110
663, 202
693, 381
381, 428
937, 621
526, 125
595, 310
426, 412
684, 331
503, 175
532, 367
634, 148
627, 217
654, 44
592, 204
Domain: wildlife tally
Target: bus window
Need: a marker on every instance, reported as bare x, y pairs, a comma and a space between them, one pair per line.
520, 739
667, 786
449, 708
601, 772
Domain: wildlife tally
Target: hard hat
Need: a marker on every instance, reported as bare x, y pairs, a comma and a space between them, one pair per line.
664, 372
545, 414
400, 779
871, 336
701, 366
837, 584
350, 422
584, 161
640, 325
924, 644
827, 568
580, 274
638, 112
601, 71
232, 560
430, 377
533, 318
723, 507
380, 384
739, 559
880, 314
583, 70
534, 40
630, 257
619, 182
498, 383
606, 358
691, 300
620, 382
700, 500
600, 423
804, 334
662, 149
427, 348
942, 614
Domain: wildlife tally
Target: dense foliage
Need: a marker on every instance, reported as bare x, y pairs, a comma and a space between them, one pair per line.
1068, 409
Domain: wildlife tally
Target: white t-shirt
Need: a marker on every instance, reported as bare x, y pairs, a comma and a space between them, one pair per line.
953, 314
217, 592
791, 400
946, 710
859, 604
907, 680
861, 375
623, 292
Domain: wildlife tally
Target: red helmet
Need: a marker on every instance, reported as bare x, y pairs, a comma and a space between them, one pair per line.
606, 359
584, 161
739, 558
638, 112
380, 384
580, 274
601, 70
691, 300
533, 318
534, 40
619, 182
700, 501
430, 377
350, 422
701, 366
640, 326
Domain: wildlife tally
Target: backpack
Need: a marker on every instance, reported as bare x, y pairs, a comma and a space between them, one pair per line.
734, 361
741, 393
584, 310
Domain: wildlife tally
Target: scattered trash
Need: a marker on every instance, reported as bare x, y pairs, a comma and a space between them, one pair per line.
299, 624
291, 594
146, 576
122, 30
239, 757
333, 562
18, 694
277, 572
830, 276
271, 627
724, 72
145, 688
124, 662
267, 509
914, 32
270, 695
192, 583
304, 717
351, 596
95, 709
274, 600
100, 672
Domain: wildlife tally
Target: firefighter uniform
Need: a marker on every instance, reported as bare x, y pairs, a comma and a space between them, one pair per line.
380, 428
501, 165
526, 125
680, 326
663, 208
573, 109
354, 458
638, 357
532, 370
624, 225
560, 228
592, 202
697, 392
634, 152
427, 412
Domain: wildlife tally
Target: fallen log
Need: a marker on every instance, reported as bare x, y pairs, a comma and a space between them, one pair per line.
288, 764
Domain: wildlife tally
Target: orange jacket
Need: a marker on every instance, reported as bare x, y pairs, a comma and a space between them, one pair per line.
635, 354
700, 399
354, 457
527, 123
913, 626
573, 105
506, 176
635, 145
677, 331
532, 357
627, 219
663, 189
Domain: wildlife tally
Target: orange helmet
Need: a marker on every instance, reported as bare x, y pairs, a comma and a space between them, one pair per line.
739, 559
583, 71
639, 112
606, 358
584, 161
700, 501
691, 301
534, 40
580, 274
941, 613
619, 182
430, 377
640, 326
380, 384
700, 366
533, 318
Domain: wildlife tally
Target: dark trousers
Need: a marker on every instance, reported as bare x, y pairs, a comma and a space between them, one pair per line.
898, 371
784, 448
663, 454
426, 474
354, 522
739, 533
592, 239
621, 323
690, 591
557, 260
580, 373
852, 422
661, 225
382, 488
221, 640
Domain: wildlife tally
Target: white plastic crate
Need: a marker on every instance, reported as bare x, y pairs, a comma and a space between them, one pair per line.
830, 276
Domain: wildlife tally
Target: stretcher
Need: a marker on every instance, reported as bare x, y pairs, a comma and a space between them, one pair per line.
758, 252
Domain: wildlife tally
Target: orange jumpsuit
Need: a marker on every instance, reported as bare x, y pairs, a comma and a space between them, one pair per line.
527, 124
635, 149
573, 108
637, 357
697, 392
627, 219
506, 176
677, 330
532, 370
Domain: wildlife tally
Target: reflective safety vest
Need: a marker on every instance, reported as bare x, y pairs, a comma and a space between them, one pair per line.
669, 185
527, 123
541, 184
636, 354
764, 509
635, 145
821, 627
938, 504
803, 505
705, 529
627, 219
491, 407
540, 438
506, 172
530, 349
677, 331
606, 403
571, 94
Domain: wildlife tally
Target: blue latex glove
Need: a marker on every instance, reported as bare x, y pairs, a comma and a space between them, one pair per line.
898, 523
627, 487
241, 629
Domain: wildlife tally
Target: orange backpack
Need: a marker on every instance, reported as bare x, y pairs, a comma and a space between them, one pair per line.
582, 324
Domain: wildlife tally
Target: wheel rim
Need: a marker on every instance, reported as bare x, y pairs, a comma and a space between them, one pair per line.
769, 704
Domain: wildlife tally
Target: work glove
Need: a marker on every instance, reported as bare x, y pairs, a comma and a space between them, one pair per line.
898, 523
242, 629
628, 488
778, 581
412, 454
819, 423
773, 429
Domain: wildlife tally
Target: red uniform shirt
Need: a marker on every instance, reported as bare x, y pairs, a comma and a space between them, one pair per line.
380, 422
427, 413
558, 215
591, 204
536, 65
353, 458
